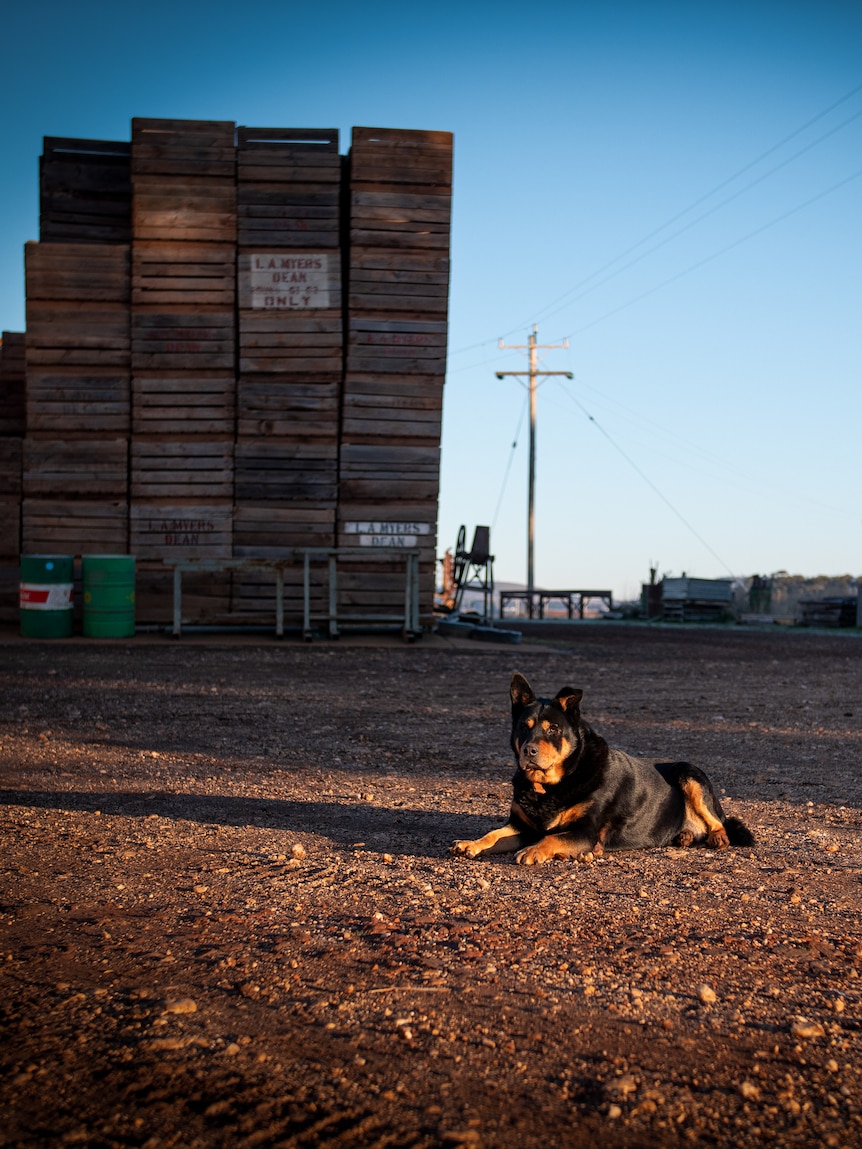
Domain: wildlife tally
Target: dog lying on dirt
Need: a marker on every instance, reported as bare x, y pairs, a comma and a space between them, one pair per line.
575, 797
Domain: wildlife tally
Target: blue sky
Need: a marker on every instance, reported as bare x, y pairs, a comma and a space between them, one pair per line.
714, 422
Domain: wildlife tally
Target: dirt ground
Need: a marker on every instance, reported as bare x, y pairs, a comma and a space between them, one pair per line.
230, 917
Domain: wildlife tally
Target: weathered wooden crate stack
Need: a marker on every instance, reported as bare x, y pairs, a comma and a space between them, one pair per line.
197, 383
183, 357
400, 209
75, 458
290, 351
12, 379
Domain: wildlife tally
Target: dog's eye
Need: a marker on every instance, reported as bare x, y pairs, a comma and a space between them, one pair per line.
553, 728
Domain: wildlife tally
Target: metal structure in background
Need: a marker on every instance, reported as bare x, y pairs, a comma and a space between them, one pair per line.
533, 374
310, 557
474, 569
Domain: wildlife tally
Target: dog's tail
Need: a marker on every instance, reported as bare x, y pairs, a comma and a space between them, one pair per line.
738, 833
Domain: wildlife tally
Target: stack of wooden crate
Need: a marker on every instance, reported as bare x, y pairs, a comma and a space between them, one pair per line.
12, 378
75, 458
183, 356
400, 209
290, 329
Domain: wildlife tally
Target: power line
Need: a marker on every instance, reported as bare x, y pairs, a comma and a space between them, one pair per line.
681, 231
648, 481
715, 255
691, 207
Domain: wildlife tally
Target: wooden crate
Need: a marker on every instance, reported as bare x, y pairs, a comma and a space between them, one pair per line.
284, 470
402, 346
165, 273
205, 148
391, 408
11, 453
161, 531
75, 468
287, 407
75, 526
10, 583
396, 282
10, 527
13, 375
183, 208
383, 219
392, 158
191, 339
288, 187
85, 402
77, 272
66, 333
273, 343
183, 181
388, 472
186, 468
184, 402
273, 531
85, 191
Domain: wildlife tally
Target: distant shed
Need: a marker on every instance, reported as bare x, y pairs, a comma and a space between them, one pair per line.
696, 599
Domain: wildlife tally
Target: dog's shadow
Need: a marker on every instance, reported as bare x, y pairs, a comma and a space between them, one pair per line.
400, 830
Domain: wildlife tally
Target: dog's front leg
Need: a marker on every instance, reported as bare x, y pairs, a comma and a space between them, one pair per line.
502, 841
561, 846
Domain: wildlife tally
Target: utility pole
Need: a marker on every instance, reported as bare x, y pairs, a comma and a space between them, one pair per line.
533, 374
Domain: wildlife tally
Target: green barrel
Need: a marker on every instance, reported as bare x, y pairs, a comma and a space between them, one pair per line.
45, 595
108, 583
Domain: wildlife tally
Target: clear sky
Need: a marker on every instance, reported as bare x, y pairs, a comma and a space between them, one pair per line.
673, 185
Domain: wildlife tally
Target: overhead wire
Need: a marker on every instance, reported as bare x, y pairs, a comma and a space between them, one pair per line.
692, 206
647, 480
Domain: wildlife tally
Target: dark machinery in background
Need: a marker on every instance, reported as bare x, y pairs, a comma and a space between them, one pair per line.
471, 571
474, 570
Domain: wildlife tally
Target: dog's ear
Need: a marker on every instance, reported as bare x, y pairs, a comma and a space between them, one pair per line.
569, 699
521, 693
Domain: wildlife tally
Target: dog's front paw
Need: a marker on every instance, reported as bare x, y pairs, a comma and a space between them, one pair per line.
532, 856
466, 849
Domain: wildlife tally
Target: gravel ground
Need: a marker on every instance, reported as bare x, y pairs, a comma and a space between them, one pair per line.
230, 917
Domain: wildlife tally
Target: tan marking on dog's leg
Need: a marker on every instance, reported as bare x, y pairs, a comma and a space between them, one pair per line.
550, 847
573, 814
695, 806
502, 841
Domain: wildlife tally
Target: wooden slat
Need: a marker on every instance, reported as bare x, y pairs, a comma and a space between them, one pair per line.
68, 400
10, 528
194, 403
11, 457
168, 529
191, 467
77, 272
75, 468
200, 273
68, 526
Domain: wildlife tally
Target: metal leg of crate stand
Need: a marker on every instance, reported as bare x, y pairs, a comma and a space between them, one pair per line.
417, 629
333, 598
306, 597
178, 602
411, 589
279, 602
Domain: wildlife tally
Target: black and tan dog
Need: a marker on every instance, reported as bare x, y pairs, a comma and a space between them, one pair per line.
575, 797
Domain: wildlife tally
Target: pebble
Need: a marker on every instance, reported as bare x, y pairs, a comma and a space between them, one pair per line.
706, 995
802, 1027
298, 851
180, 1005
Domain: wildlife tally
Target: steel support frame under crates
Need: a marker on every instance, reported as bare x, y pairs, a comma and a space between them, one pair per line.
310, 556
